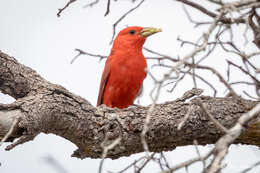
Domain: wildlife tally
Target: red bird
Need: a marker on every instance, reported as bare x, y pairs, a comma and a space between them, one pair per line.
125, 68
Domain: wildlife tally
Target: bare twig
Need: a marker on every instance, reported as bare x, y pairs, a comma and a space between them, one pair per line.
122, 17
91, 4
233, 93
193, 74
108, 8
132, 164
145, 163
9, 133
206, 82
21, 140
81, 52
180, 125
216, 122
244, 71
241, 82
211, 14
221, 147
193, 21
248, 95
195, 51
187, 163
66, 6
199, 7
165, 160
106, 149
146, 128
251, 167
166, 57
199, 155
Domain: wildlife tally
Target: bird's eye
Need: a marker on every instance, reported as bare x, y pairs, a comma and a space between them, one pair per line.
132, 32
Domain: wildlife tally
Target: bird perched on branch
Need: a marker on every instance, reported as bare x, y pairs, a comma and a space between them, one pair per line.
125, 68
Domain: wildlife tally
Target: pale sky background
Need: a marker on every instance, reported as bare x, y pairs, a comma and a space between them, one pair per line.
31, 32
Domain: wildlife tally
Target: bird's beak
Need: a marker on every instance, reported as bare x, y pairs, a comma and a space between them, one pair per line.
146, 32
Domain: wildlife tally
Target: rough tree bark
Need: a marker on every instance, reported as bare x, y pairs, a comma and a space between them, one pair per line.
41, 106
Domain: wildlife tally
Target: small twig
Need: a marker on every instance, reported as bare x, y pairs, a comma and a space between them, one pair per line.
218, 2
204, 10
206, 82
145, 163
244, 71
151, 75
191, 20
177, 82
241, 82
187, 163
251, 167
9, 133
194, 52
228, 73
81, 52
182, 77
121, 18
198, 152
132, 164
216, 122
221, 146
21, 140
198, 7
66, 6
248, 95
183, 42
146, 128
165, 160
108, 8
180, 125
106, 149
91, 4
233, 93
193, 74
159, 162
166, 57
245, 32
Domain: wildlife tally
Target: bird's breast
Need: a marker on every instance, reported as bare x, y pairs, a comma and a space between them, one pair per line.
129, 69
125, 79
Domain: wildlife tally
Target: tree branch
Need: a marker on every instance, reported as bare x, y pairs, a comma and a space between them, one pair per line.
44, 107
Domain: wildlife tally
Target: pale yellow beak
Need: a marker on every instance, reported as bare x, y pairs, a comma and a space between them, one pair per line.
146, 32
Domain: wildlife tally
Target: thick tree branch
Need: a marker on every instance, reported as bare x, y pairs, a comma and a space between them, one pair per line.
48, 108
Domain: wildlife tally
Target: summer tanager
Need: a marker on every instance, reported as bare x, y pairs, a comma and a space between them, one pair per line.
125, 68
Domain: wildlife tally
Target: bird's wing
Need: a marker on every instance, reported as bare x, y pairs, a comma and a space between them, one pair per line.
103, 82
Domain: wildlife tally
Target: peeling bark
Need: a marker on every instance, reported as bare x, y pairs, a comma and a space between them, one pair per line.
45, 107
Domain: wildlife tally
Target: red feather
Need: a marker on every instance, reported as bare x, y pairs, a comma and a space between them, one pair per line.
124, 71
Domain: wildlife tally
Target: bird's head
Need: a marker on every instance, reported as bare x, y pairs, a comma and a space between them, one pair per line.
133, 37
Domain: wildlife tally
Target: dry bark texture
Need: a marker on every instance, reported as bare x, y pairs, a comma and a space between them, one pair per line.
41, 106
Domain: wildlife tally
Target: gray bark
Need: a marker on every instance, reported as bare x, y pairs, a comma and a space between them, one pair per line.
41, 106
